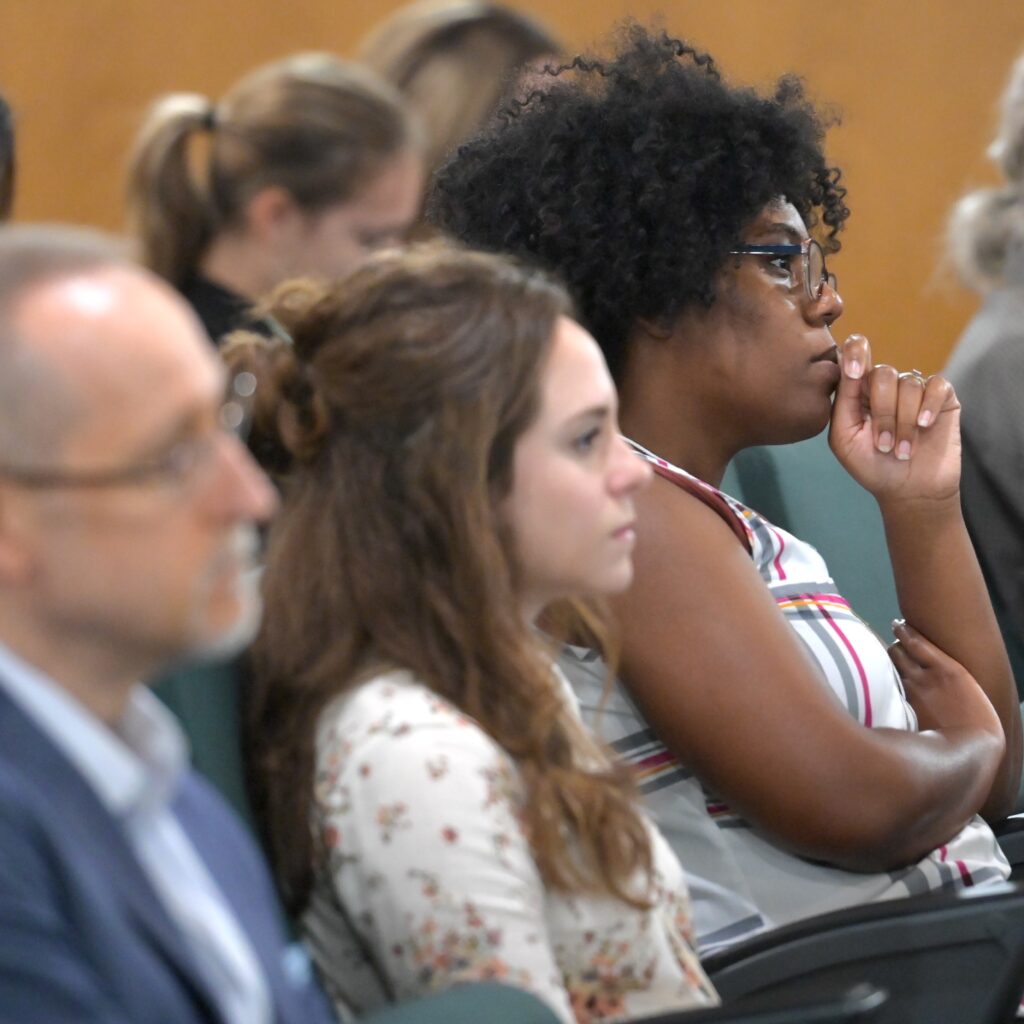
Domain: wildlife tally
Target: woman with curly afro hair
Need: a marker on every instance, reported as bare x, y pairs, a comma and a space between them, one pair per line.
797, 764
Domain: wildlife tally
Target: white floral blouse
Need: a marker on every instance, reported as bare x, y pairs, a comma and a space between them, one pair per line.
430, 880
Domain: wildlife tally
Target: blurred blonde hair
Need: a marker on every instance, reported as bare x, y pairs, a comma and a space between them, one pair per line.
317, 126
986, 226
454, 61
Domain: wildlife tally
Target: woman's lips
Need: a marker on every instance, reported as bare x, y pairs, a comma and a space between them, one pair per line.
826, 366
626, 532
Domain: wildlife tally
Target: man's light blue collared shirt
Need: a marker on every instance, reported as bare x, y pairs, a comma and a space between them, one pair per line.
135, 772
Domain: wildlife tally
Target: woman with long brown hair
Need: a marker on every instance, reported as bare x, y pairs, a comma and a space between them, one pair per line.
451, 468
304, 167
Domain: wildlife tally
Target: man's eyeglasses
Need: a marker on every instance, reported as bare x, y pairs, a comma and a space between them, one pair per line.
812, 264
175, 466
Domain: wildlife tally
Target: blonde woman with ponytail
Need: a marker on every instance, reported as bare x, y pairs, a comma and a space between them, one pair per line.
309, 164
446, 438
456, 62
986, 245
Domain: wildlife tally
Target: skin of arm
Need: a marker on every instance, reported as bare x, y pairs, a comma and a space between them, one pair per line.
728, 688
938, 580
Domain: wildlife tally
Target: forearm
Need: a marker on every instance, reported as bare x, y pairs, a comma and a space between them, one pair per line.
942, 594
943, 777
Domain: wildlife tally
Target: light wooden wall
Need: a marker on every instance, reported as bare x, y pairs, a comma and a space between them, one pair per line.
916, 80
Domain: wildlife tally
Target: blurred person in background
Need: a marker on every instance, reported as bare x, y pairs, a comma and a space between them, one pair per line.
305, 167
7, 164
310, 164
986, 245
455, 61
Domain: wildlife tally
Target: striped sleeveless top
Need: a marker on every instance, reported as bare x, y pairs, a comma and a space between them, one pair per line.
741, 883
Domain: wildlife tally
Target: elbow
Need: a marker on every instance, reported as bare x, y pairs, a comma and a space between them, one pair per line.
890, 805
874, 840
1001, 802
871, 830
885, 851
858, 835
1004, 796
907, 814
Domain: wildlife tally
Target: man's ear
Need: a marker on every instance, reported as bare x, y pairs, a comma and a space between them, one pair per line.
271, 212
16, 562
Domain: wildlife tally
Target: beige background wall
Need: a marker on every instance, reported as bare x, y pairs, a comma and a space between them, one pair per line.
916, 81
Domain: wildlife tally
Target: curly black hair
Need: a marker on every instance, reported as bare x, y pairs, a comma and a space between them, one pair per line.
632, 178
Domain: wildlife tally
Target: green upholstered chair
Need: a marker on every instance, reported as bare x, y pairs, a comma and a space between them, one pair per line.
481, 1003
802, 488
206, 698
499, 1004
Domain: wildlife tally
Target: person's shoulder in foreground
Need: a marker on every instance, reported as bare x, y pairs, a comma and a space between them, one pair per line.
129, 891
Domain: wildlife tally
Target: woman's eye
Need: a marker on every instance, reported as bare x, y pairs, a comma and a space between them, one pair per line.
783, 263
586, 441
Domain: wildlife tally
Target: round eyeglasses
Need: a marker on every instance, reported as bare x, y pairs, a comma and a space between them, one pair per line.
812, 263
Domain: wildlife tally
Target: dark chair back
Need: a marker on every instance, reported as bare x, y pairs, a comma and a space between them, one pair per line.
955, 957
860, 1003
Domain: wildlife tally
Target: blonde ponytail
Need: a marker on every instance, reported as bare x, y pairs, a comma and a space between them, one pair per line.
312, 124
169, 210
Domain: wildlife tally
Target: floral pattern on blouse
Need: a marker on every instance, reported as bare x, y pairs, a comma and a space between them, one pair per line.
420, 813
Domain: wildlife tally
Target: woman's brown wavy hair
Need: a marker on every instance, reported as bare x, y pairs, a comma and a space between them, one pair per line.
391, 423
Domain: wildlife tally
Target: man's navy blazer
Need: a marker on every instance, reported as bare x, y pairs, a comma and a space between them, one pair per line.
83, 937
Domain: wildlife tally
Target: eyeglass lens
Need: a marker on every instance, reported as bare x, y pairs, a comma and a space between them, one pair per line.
817, 273
236, 412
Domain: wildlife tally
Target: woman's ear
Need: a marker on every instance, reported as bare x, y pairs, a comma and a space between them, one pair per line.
656, 330
271, 213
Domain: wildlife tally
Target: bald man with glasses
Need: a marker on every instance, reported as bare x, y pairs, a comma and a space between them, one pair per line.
129, 893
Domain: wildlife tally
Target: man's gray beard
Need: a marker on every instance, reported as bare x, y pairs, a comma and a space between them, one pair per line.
236, 637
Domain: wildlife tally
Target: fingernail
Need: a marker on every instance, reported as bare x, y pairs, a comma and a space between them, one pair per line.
898, 624
925, 418
885, 441
903, 451
854, 369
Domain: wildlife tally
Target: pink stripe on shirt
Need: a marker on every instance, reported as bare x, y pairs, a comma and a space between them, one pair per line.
856, 660
780, 572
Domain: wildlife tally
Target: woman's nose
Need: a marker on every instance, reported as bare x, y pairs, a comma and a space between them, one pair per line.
827, 308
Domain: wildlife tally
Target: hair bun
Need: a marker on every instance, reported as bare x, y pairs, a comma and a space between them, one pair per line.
290, 416
303, 417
